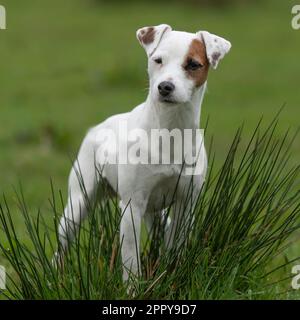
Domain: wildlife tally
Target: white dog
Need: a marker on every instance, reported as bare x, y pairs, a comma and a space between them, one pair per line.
178, 64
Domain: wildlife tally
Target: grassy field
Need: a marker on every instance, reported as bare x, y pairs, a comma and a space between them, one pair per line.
67, 65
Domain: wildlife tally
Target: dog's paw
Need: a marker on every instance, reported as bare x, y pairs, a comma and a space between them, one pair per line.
58, 261
132, 288
131, 282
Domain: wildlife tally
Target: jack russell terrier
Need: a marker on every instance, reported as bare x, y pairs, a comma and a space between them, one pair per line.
178, 65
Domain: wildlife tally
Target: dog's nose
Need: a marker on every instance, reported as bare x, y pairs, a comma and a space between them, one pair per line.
165, 88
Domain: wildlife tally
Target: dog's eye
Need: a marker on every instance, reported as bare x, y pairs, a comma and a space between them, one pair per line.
158, 60
193, 65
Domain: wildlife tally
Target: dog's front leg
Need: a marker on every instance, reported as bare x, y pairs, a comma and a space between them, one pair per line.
130, 230
180, 226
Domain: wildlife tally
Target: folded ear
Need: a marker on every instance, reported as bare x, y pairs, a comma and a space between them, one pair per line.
150, 37
216, 47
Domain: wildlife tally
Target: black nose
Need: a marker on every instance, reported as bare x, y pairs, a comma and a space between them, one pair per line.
165, 88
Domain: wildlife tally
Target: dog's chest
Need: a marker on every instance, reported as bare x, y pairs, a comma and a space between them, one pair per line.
161, 184
151, 187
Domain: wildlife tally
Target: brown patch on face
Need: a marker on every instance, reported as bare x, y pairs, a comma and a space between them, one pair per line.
147, 36
197, 53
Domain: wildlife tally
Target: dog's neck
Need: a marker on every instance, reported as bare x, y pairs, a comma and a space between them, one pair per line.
181, 116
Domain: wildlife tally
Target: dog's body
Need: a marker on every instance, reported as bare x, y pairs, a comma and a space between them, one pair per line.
178, 67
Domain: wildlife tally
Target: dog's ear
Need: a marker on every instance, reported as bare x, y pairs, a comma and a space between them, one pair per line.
216, 47
150, 37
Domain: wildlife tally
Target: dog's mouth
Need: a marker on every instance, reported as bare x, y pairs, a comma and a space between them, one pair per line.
168, 100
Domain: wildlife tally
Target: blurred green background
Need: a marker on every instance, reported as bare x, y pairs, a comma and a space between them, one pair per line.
67, 65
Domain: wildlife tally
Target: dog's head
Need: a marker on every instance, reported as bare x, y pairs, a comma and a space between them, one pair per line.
178, 62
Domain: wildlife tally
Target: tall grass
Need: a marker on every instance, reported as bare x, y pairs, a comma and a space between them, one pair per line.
245, 218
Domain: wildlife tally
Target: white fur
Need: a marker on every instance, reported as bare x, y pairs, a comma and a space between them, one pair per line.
143, 189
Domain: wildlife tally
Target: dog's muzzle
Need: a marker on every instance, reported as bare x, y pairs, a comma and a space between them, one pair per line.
165, 89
